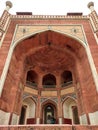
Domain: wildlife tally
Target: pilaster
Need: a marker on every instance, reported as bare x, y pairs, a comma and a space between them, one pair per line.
4, 21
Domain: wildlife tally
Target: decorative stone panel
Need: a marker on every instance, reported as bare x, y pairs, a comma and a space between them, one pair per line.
67, 91
31, 91
49, 93
27, 30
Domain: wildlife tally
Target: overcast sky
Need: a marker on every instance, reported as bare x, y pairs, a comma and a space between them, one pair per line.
49, 7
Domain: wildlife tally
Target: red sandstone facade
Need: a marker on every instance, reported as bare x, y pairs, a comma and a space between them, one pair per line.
48, 67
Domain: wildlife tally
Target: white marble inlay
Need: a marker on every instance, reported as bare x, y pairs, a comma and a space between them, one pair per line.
4, 118
83, 120
15, 119
93, 118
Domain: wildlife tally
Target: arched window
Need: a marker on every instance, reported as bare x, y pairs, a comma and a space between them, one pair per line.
49, 81
66, 78
32, 78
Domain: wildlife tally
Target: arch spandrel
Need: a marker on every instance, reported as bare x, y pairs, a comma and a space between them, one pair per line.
24, 31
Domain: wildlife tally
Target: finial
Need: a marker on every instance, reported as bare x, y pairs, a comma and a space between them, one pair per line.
91, 6
8, 5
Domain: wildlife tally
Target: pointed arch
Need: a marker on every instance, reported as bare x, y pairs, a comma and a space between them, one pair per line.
70, 111
15, 43
49, 109
32, 78
66, 78
28, 111
29, 96
49, 81
69, 97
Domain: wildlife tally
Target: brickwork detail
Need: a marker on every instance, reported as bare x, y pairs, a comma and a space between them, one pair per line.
68, 90
31, 91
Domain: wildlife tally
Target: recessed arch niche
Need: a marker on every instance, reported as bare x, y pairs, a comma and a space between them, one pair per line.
49, 81
70, 111
66, 78
32, 78
28, 111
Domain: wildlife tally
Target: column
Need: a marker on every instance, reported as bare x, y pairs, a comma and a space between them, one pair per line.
59, 100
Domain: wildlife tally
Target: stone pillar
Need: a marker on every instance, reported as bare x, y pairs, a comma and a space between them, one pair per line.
37, 120
38, 110
40, 81
60, 120
38, 106
59, 103
58, 81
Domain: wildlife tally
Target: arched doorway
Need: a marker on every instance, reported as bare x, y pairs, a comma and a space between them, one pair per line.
23, 115
49, 114
27, 115
70, 111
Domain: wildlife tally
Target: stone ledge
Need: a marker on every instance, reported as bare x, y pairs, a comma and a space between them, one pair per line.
49, 127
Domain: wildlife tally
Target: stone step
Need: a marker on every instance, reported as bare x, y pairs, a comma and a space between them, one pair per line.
49, 127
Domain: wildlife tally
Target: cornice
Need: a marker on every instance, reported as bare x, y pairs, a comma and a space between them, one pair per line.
47, 17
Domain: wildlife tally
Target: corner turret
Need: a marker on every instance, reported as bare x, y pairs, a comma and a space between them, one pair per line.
91, 6
8, 5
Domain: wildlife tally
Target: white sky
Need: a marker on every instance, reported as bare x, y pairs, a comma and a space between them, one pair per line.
49, 7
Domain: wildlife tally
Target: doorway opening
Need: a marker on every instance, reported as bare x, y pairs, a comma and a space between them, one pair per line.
23, 114
70, 111
49, 114
75, 115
